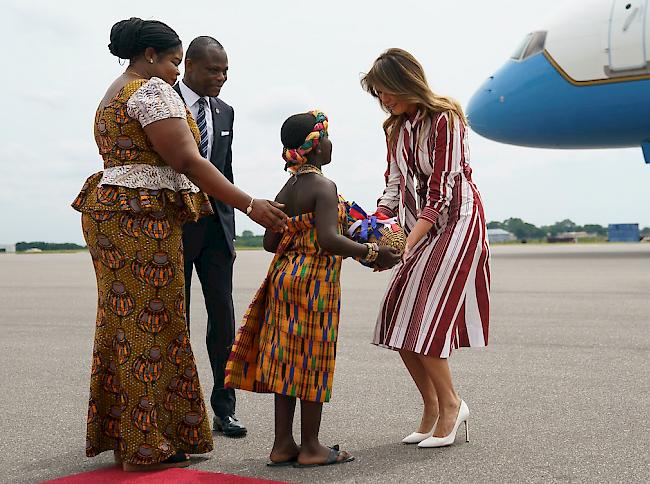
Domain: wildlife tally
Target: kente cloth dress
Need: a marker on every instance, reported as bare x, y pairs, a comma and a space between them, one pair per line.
145, 397
438, 299
287, 341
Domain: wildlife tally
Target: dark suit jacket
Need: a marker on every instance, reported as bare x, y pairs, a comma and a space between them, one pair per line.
220, 228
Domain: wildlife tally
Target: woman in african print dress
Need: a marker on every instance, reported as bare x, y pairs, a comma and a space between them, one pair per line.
287, 342
438, 298
146, 402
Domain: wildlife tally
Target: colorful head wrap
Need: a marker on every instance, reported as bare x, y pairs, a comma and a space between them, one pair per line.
296, 157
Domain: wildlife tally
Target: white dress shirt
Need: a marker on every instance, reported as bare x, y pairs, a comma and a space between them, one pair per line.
192, 100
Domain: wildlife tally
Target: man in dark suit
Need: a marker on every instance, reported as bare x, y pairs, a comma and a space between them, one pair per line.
208, 243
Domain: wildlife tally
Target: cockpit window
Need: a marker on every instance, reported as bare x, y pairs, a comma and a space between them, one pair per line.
532, 44
521, 48
536, 44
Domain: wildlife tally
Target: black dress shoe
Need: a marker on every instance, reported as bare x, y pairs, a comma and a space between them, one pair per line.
230, 426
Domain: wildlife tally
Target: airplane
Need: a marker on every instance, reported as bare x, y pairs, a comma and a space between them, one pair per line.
583, 82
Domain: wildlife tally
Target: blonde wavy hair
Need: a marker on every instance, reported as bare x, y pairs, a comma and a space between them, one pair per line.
399, 73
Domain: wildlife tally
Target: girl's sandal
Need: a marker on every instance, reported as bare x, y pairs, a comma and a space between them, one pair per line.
336, 456
179, 459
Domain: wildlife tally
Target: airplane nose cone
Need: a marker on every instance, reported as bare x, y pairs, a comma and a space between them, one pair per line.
481, 106
519, 103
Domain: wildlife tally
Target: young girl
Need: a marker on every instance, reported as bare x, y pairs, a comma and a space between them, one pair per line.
287, 342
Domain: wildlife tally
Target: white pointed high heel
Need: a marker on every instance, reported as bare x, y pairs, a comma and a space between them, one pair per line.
417, 437
463, 416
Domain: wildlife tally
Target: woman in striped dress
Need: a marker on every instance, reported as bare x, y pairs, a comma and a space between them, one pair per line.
438, 298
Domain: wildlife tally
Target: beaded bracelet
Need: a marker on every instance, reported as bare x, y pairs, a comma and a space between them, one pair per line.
373, 253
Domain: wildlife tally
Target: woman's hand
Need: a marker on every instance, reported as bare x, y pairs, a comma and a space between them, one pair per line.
421, 229
407, 252
387, 258
269, 214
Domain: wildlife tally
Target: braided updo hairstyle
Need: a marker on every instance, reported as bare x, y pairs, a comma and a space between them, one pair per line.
130, 38
300, 134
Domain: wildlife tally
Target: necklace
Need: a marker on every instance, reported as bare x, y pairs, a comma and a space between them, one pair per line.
132, 72
308, 168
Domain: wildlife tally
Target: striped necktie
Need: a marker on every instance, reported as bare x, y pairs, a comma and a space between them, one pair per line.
203, 128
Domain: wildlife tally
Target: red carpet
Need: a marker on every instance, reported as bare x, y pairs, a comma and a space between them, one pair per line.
115, 475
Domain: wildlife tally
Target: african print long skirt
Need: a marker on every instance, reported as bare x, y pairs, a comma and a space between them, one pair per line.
145, 397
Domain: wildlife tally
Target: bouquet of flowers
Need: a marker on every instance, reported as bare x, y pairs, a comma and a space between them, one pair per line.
377, 228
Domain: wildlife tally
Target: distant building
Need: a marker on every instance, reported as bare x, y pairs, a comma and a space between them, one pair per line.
496, 236
623, 233
8, 248
576, 235
561, 238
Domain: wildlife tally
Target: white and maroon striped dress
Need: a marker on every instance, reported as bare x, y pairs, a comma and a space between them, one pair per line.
438, 299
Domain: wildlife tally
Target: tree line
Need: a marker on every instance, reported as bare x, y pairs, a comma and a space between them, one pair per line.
516, 226
527, 231
248, 239
23, 246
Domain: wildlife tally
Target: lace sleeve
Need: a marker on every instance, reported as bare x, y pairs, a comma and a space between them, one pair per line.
155, 100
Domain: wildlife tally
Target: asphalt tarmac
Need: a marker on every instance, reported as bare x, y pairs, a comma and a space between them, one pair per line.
561, 394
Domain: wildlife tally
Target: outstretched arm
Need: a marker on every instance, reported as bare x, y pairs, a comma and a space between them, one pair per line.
327, 210
329, 239
173, 141
443, 164
389, 200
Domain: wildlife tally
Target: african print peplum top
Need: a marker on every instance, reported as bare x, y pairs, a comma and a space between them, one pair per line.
135, 178
287, 341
